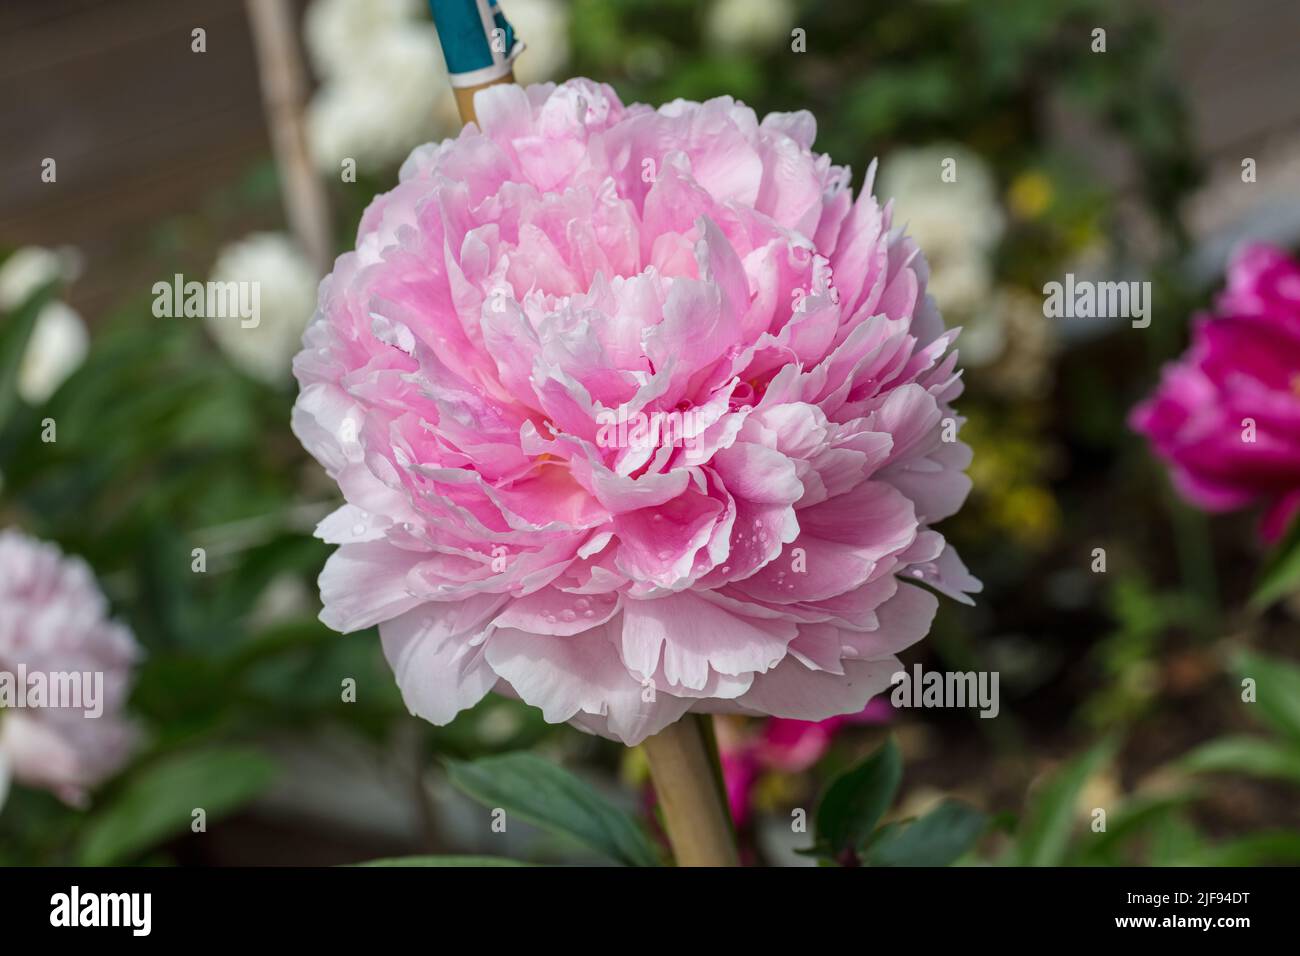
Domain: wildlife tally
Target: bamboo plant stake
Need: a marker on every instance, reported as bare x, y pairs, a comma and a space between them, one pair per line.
480, 46
283, 78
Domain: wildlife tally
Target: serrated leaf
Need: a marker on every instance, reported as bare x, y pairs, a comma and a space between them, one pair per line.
857, 799
553, 799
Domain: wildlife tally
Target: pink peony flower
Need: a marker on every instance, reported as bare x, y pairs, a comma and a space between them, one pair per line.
53, 621
1226, 416
636, 412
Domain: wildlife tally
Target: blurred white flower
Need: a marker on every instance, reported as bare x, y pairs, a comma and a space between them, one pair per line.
57, 347
957, 224
338, 32
385, 89
1014, 348
31, 267
745, 24
59, 340
377, 116
543, 25
287, 299
284, 598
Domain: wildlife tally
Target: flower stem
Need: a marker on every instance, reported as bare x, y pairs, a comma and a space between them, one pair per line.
685, 776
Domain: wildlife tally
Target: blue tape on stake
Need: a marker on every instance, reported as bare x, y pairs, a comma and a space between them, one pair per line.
478, 42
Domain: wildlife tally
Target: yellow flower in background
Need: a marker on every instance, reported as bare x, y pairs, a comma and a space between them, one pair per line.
1009, 491
1029, 512
1030, 194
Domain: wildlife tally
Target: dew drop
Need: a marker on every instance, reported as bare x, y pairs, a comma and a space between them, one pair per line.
568, 615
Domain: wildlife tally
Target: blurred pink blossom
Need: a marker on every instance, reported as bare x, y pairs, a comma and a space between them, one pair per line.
54, 620
784, 746
1226, 416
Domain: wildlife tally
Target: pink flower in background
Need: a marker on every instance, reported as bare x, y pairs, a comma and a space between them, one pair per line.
1226, 416
783, 746
54, 620
636, 412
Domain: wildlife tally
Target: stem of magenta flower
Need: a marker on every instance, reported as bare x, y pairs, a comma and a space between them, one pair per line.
686, 776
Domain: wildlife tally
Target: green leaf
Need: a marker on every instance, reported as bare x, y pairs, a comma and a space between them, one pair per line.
1281, 573
444, 861
1173, 840
15, 331
1136, 816
158, 802
936, 839
857, 799
1253, 756
1277, 690
1270, 848
553, 799
1051, 817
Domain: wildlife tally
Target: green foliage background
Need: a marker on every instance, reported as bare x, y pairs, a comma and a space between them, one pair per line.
163, 447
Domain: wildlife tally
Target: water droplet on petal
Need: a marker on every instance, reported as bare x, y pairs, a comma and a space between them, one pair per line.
568, 615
